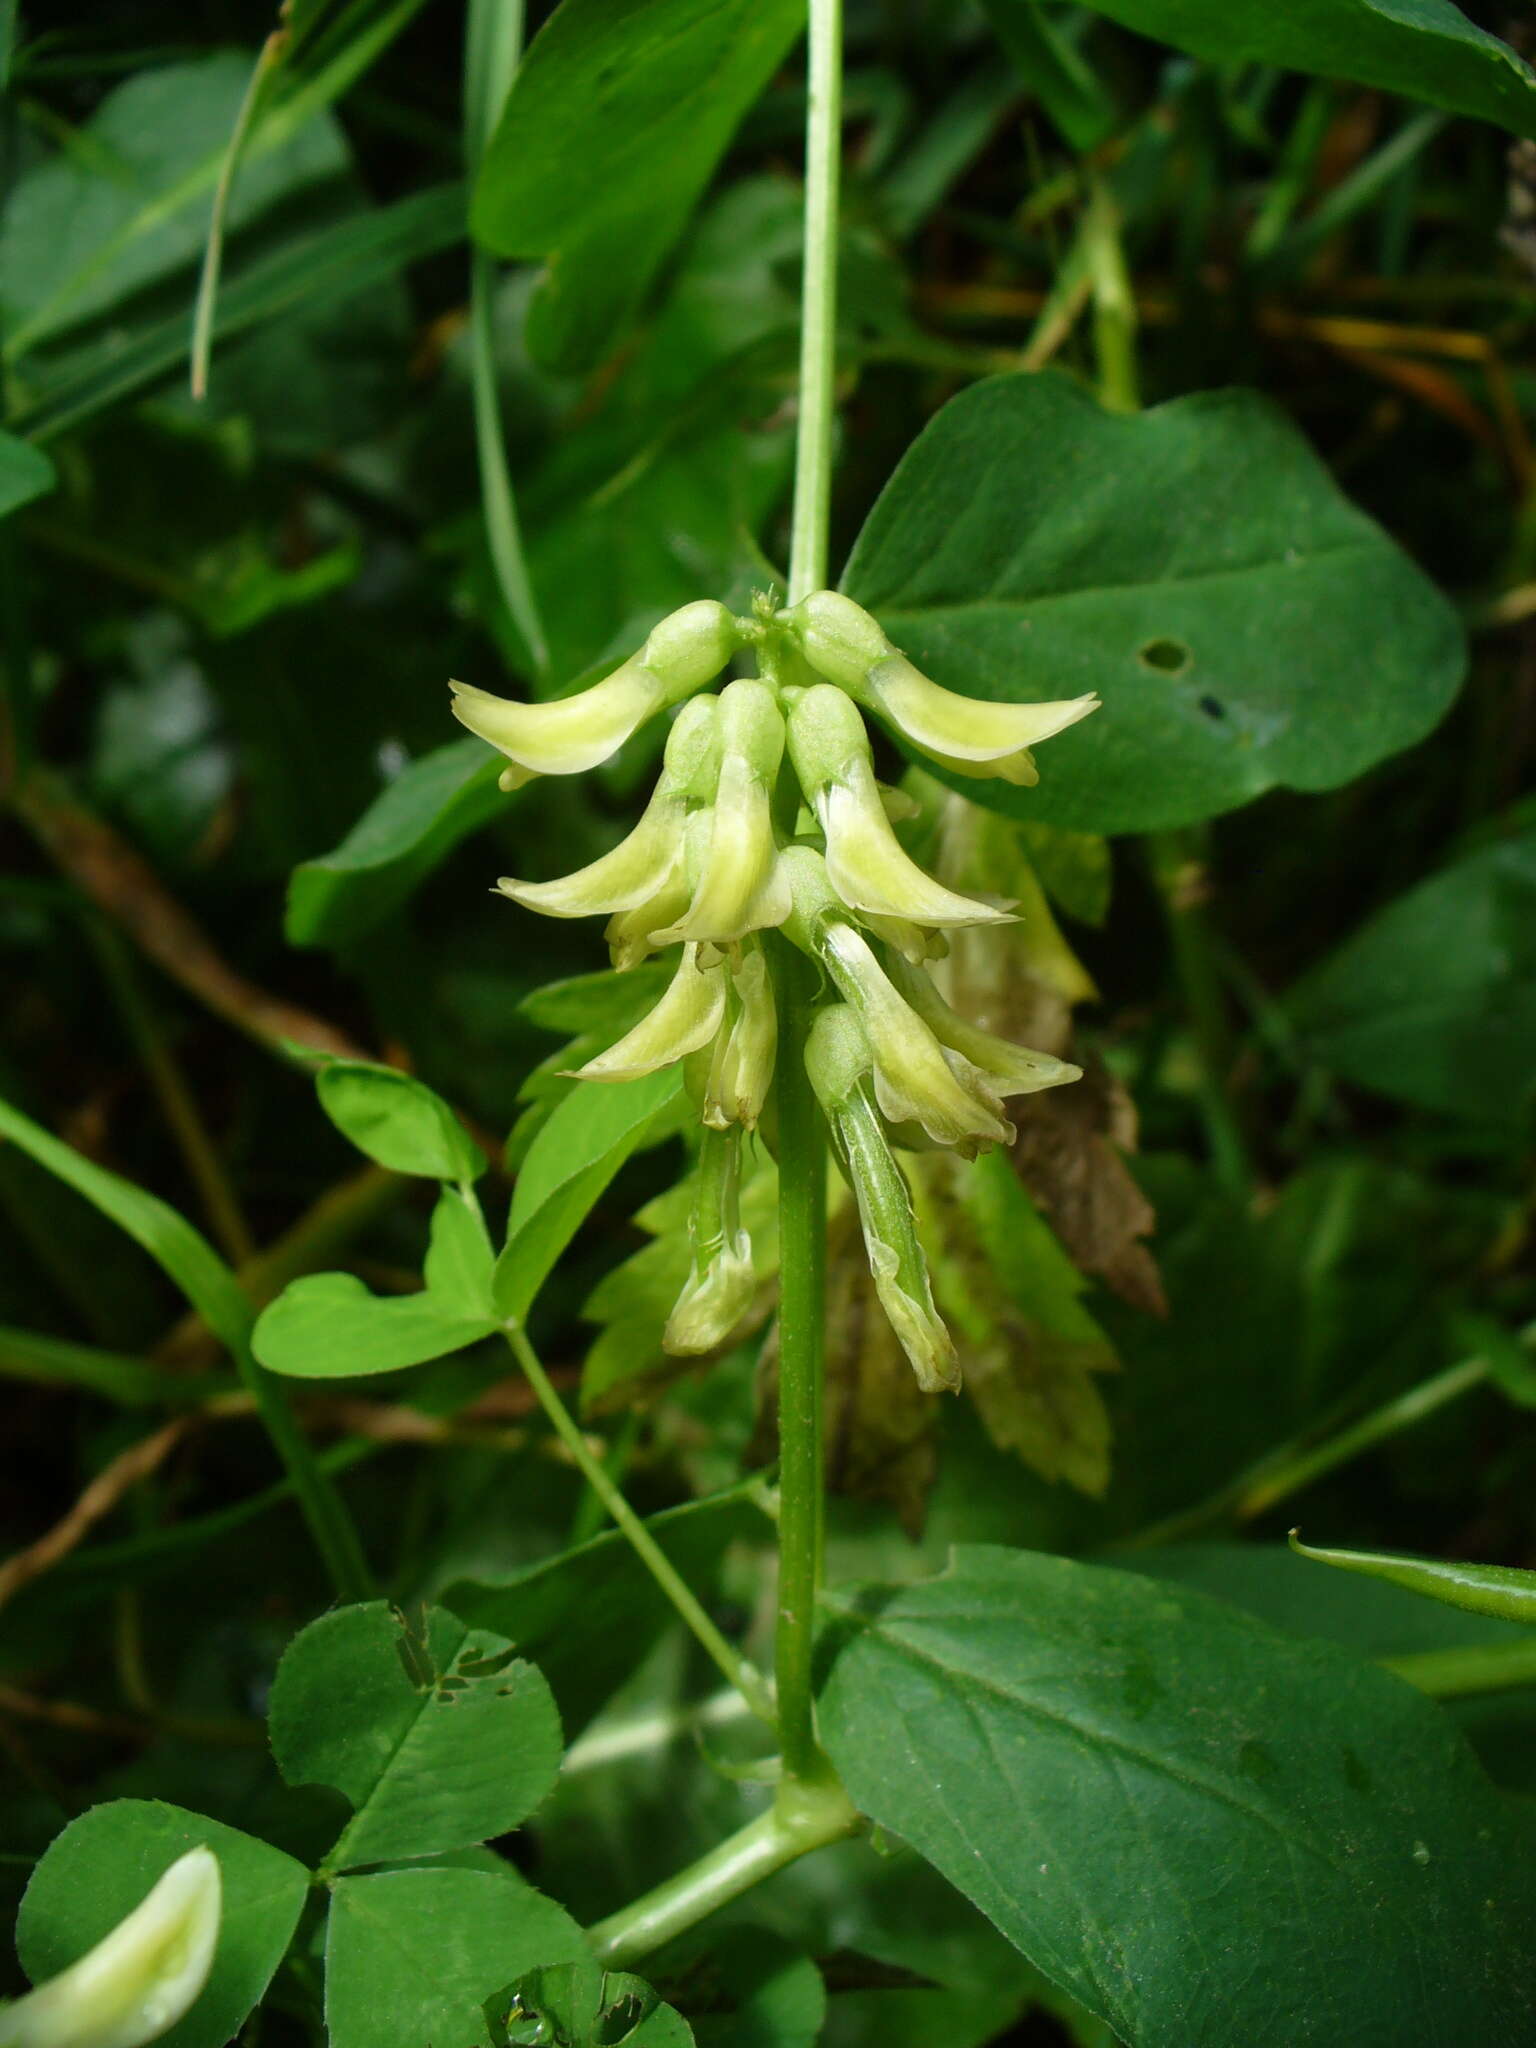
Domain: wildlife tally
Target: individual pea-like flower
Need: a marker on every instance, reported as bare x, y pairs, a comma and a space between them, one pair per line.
139, 1980
968, 735
866, 863
738, 886
642, 880
687, 1017
840, 1060
721, 1282
741, 1058
571, 734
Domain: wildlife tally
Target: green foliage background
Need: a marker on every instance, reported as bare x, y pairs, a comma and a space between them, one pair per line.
1185, 354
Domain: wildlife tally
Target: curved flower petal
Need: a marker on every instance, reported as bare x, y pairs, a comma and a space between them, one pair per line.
137, 1982
866, 863
967, 734
740, 887
1010, 1069
687, 1017
571, 734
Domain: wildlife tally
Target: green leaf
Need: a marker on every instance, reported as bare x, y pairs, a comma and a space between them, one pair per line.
589, 1616
1479, 1588
101, 1866
1426, 49
25, 473
169, 1239
1433, 1001
1180, 1816
415, 1955
776, 1995
398, 1121
574, 1157
1027, 548
582, 2005
435, 1735
598, 162
1052, 69
406, 832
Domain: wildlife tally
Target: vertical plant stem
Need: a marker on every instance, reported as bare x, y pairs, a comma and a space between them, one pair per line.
493, 47
818, 305
802, 1368
739, 1670
1178, 872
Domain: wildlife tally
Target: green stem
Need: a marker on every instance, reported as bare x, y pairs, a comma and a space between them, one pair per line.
1177, 871
818, 306
802, 1366
739, 1670
493, 48
801, 1819
335, 1536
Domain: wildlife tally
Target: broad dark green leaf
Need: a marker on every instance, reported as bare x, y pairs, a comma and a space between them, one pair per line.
1425, 48
415, 1955
618, 116
104, 1863
1433, 1001
25, 473
179, 1250
575, 1155
1244, 624
435, 1735
1183, 1818
398, 1121
404, 834
588, 1617
1499, 1590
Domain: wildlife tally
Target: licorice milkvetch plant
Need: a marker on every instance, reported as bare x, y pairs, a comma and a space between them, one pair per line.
768, 818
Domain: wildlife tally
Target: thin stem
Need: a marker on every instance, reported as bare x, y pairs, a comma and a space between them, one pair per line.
802, 1366
739, 1670
818, 305
1179, 874
330, 1525
801, 1819
493, 48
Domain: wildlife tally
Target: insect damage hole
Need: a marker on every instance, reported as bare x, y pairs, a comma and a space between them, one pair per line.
1167, 657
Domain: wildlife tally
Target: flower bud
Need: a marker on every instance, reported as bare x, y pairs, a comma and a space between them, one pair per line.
968, 735
721, 1282
739, 886
866, 863
838, 1059
137, 1982
839, 638
741, 1067
638, 870
687, 1017
575, 733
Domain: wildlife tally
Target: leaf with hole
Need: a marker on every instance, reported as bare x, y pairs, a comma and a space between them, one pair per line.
99, 1869
1243, 623
1179, 1815
436, 1734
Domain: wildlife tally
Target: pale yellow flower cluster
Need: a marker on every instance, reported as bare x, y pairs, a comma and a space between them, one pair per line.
768, 816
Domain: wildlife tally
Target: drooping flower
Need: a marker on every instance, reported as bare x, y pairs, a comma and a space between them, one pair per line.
839, 1060
738, 887
642, 868
866, 863
742, 1058
968, 735
571, 734
139, 1980
721, 1281
687, 1017
1010, 1069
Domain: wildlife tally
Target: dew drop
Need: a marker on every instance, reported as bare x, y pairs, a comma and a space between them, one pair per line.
1420, 1853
